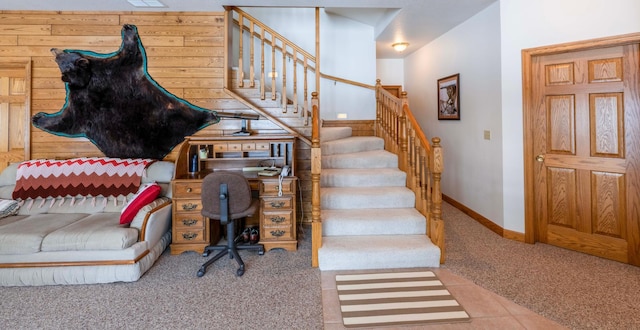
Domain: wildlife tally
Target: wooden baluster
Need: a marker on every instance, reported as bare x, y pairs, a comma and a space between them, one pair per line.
284, 78
416, 162
305, 96
262, 73
240, 45
295, 81
376, 126
394, 125
410, 157
402, 153
316, 169
424, 168
385, 120
252, 73
429, 185
273, 67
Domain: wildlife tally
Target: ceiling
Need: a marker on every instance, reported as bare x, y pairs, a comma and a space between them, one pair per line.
417, 22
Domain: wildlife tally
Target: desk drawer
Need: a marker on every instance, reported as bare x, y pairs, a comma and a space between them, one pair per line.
262, 146
271, 187
222, 147
276, 233
271, 219
279, 203
187, 189
248, 146
234, 146
188, 205
189, 221
190, 236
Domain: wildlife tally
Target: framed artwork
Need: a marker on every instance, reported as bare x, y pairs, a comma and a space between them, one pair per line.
449, 97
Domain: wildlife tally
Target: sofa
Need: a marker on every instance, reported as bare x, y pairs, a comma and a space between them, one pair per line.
81, 223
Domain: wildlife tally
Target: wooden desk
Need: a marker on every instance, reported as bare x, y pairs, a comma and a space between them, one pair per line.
277, 215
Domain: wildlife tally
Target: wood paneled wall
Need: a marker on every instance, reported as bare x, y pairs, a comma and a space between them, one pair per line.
185, 55
358, 127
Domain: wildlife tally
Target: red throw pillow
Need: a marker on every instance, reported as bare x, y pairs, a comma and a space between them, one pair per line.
145, 195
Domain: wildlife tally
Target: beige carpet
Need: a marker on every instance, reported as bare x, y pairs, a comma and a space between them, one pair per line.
400, 298
577, 290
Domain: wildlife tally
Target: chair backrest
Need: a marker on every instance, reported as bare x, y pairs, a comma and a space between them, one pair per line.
240, 198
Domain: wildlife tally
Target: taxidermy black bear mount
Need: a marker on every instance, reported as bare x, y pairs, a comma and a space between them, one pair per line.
114, 102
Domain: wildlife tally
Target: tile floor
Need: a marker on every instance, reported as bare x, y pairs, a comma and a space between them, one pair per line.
487, 309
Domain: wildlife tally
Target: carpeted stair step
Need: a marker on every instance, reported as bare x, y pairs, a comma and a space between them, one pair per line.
377, 252
392, 221
365, 159
352, 144
366, 198
365, 177
334, 133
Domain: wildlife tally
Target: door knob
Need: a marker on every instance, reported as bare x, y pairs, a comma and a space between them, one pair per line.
540, 158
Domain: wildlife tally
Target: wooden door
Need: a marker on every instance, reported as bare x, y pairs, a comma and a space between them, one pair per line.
14, 112
585, 151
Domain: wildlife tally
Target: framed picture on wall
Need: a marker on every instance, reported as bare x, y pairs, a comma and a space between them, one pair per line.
449, 97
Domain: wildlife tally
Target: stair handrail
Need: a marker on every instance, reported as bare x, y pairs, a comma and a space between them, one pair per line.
421, 160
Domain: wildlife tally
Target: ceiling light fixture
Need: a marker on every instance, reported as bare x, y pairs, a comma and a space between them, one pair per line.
400, 46
146, 3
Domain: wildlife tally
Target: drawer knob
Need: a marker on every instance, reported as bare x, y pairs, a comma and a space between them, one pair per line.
189, 189
189, 236
277, 233
277, 205
277, 219
189, 206
189, 222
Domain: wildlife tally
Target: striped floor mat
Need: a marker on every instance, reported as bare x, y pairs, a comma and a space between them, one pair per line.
407, 298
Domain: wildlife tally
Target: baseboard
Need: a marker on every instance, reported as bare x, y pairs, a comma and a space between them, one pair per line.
508, 234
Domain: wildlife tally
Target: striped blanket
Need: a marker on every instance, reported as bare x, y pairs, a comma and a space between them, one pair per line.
97, 176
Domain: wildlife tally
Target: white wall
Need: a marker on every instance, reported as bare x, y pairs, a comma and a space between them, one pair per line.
529, 24
390, 71
347, 51
473, 165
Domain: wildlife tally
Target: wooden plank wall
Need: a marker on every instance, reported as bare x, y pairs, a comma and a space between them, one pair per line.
184, 55
358, 127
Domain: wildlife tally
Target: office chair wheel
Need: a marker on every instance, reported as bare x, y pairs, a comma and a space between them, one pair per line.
261, 252
240, 272
201, 272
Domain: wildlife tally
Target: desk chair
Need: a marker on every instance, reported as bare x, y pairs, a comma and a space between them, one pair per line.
226, 196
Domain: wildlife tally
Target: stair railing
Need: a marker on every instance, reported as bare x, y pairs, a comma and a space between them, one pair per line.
288, 68
276, 62
421, 160
394, 123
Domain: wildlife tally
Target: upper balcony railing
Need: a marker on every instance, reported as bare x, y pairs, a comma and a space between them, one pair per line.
279, 66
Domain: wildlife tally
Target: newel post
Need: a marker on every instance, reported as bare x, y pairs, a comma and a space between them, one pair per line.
437, 165
316, 168
376, 126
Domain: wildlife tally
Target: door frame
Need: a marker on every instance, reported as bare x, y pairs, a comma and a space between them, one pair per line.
530, 227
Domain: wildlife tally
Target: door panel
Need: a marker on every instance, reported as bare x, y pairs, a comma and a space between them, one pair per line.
586, 132
14, 112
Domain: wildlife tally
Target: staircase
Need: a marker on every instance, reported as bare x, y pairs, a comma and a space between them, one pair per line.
368, 216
